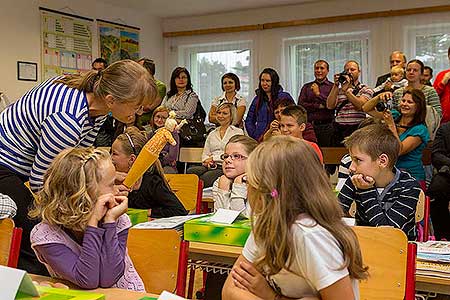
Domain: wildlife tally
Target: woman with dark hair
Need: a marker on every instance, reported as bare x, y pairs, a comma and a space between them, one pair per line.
414, 71
408, 125
261, 111
181, 98
230, 87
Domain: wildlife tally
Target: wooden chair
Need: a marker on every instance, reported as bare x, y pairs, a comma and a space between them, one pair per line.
188, 188
10, 239
391, 262
155, 255
190, 155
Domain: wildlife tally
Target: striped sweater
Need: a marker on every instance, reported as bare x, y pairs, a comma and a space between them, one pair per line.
46, 120
395, 206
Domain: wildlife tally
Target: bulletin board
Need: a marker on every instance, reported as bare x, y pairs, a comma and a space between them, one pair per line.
118, 41
66, 43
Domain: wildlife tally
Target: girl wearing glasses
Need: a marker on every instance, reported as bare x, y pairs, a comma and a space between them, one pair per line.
152, 191
230, 189
211, 168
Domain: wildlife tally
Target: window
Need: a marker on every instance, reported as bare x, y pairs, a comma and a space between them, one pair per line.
429, 43
336, 49
207, 63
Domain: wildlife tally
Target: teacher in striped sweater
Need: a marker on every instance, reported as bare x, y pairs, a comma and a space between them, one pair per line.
59, 113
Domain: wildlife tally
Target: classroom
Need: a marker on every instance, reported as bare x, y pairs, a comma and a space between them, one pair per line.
289, 149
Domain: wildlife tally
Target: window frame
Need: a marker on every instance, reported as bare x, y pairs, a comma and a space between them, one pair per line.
289, 60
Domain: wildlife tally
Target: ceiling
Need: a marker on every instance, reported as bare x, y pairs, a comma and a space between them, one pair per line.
174, 8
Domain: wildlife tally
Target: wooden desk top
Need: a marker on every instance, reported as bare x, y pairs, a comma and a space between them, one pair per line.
110, 294
215, 249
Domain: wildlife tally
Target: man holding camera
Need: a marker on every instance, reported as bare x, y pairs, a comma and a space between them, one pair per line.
347, 97
313, 97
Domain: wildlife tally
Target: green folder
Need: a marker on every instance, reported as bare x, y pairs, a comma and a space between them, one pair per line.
50, 293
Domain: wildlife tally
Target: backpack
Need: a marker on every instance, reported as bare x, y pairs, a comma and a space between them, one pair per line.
193, 134
432, 120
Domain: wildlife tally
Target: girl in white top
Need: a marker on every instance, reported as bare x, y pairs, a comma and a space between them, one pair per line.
230, 189
230, 87
299, 247
211, 168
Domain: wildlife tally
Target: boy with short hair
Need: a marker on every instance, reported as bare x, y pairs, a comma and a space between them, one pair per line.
293, 121
384, 195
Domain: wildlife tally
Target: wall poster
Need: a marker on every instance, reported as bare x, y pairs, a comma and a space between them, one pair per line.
118, 41
66, 43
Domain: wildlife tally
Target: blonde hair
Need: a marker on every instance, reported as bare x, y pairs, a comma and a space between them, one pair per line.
70, 192
233, 114
290, 167
397, 69
246, 141
157, 110
125, 80
139, 139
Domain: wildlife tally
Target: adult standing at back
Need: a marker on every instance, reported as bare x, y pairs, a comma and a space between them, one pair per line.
442, 87
414, 71
150, 66
60, 113
397, 58
313, 97
230, 86
181, 98
347, 97
261, 111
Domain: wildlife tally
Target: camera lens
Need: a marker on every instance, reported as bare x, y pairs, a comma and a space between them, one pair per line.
381, 106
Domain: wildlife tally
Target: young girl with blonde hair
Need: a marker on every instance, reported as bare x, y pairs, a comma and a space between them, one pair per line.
83, 233
62, 112
299, 246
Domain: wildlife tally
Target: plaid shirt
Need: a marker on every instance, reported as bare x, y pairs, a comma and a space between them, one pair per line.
8, 207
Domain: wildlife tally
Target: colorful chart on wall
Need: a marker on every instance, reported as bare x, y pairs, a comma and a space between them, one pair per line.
118, 41
66, 43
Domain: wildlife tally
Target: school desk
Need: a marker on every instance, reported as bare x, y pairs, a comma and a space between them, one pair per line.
110, 294
431, 284
214, 253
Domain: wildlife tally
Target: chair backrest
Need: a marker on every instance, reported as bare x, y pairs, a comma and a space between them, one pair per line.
420, 207
10, 239
385, 251
185, 187
155, 255
333, 155
190, 155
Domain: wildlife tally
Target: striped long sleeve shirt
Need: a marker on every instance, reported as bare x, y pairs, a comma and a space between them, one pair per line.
395, 206
46, 120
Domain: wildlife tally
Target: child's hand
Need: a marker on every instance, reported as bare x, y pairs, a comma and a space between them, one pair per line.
225, 183
238, 179
100, 208
388, 86
362, 182
115, 211
274, 125
207, 161
247, 277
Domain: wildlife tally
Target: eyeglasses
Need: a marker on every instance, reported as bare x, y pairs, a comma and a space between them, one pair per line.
234, 156
131, 143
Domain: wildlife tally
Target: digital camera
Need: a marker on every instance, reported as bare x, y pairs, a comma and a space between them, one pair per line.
383, 106
343, 77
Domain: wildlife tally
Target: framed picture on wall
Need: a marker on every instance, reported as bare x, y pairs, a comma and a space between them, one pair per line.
26, 71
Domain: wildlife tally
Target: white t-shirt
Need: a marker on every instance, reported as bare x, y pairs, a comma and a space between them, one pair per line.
316, 264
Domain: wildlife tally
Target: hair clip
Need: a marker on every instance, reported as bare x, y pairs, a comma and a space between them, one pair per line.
274, 193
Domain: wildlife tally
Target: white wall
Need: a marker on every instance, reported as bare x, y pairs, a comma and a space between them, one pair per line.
385, 35
20, 31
